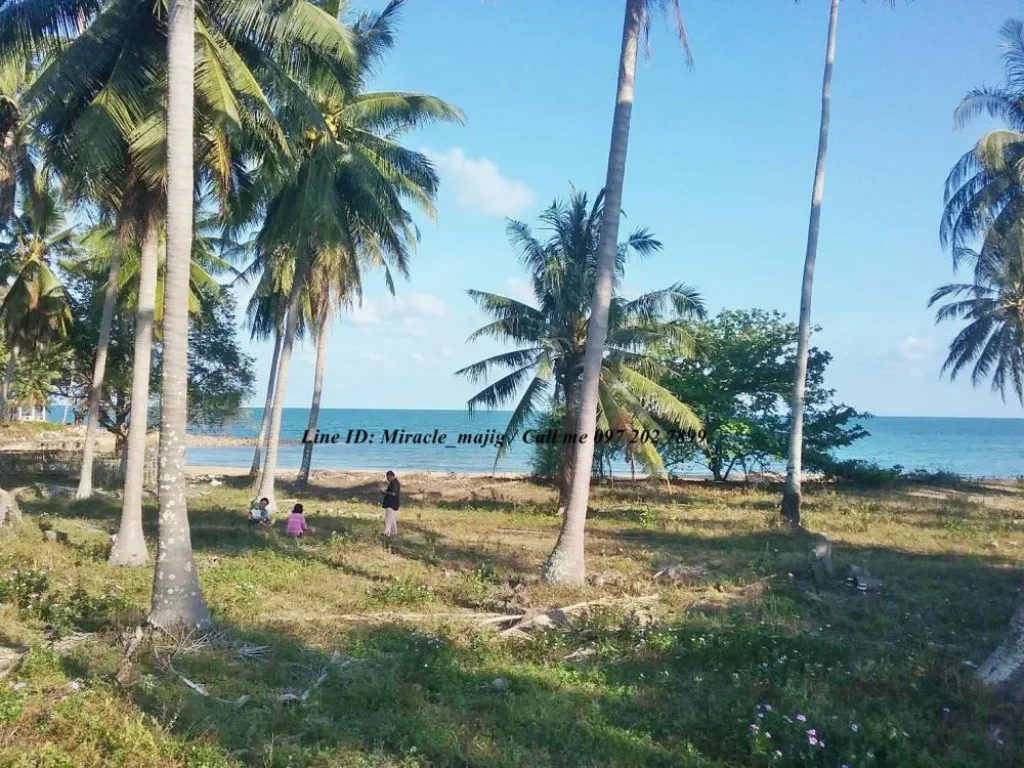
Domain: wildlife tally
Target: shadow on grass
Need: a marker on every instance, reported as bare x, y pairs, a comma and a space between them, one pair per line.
683, 694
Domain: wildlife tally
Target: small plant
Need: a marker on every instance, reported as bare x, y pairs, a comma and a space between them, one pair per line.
12, 701
401, 592
31, 592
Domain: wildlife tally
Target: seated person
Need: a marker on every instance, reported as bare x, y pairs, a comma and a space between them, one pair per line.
296, 523
260, 515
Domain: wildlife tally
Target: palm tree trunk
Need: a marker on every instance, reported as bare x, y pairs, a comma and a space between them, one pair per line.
130, 546
5, 386
291, 324
791, 496
314, 408
257, 458
566, 565
99, 370
567, 452
178, 603
1004, 668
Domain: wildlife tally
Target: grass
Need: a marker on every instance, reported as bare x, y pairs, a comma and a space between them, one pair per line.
733, 669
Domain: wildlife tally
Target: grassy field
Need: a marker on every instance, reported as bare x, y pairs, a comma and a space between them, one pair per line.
754, 660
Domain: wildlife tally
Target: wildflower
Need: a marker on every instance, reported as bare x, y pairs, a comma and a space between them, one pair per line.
812, 741
855, 728
760, 714
20, 686
768, 707
777, 753
801, 718
754, 728
74, 685
812, 732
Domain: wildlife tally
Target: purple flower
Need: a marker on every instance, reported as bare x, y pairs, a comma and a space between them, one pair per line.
801, 718
812, 732
768, 707
812, 741
760, 715
754, 728
855, 728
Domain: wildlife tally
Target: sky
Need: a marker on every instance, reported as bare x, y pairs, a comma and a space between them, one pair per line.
720, 166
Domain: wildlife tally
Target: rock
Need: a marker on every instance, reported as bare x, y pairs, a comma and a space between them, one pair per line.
606, 579
680, 575
500, 684
10, 512
10, 658
862, 579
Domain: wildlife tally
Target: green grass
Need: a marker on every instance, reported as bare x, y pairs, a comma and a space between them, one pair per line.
700, 677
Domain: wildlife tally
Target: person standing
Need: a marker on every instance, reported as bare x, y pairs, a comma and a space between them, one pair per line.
390, 504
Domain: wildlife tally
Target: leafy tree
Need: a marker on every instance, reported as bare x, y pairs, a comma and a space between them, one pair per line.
739, 382
552, 337
220, 374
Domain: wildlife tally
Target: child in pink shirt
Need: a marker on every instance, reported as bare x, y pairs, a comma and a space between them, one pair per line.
296, 525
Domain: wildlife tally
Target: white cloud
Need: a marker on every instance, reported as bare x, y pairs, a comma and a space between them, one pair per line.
479, 185
407, 316
379, 358
913, 350
520, 289
446, 351
417, 357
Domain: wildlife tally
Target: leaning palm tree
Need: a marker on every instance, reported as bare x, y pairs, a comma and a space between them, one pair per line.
551, 337
566, 563
791, 492
991, 345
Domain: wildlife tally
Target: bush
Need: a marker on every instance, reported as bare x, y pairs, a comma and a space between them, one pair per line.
32, 594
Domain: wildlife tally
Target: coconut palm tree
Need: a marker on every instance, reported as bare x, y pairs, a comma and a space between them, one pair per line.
566, 563
34, 311
992, 342
552, 336
791, 494
984, 196
177, 599
348, 190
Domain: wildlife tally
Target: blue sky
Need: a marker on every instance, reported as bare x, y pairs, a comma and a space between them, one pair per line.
720, 168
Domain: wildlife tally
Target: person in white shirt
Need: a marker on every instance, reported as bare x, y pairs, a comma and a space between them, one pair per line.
260, 515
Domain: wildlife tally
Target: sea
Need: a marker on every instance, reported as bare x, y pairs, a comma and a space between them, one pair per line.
384, 439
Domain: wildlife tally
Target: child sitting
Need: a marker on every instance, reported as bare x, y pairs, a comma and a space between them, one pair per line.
296, 523
260, 515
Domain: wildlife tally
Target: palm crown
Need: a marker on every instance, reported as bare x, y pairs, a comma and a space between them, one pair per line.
551, 336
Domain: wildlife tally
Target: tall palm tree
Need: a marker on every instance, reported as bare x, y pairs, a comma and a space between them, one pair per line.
791, 493
566, 564
348, 189
177, 599
552, 336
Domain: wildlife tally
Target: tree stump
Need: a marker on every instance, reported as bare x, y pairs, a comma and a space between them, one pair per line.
10, 512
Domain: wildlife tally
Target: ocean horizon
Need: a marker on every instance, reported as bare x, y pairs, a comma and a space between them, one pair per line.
972, 447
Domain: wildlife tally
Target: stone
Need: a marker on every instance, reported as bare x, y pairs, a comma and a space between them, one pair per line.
680, 575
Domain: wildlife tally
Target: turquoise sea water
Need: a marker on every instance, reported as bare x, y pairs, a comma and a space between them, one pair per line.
972, 447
